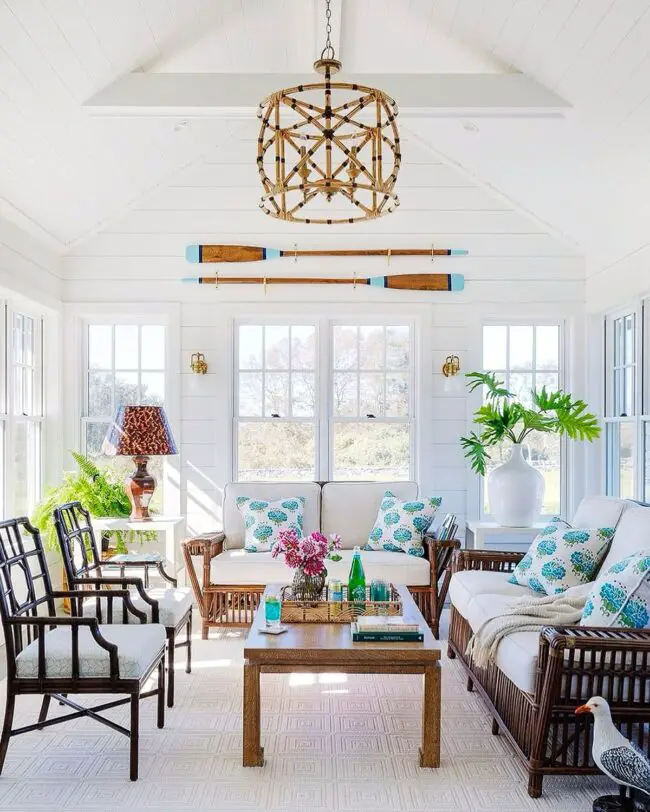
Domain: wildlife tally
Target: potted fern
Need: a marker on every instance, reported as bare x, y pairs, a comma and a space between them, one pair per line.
516, 488
99, 491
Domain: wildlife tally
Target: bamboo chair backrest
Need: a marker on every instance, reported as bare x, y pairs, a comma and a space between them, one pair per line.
74, 530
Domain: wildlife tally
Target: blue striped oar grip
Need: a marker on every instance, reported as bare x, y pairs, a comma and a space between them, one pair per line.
193, 253
191, 279
458, 252
271, 253
456, 281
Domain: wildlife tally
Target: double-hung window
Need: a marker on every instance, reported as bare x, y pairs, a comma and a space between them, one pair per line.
21, 411
528, 357
323, 400
625, 400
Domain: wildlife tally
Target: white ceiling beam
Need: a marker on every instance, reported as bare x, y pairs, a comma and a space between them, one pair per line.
231, 95
319, 27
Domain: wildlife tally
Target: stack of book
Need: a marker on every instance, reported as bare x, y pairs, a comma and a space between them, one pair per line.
385, 629
448, 528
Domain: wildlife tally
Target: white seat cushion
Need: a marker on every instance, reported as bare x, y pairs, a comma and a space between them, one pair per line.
467, 584
632, 536
173, 605
138, 647
350, 508
233, 521
600, 511
238, 567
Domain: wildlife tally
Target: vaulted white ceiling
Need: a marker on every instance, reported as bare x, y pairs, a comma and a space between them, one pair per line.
68, 175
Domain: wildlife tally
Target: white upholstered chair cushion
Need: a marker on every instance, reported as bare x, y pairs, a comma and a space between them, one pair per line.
138, 647
238, 567
173, 605
600, 511
468, 584
632, 536
233, 521
350, 508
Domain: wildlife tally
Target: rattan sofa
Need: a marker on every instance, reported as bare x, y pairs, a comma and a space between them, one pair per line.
538, 680
228, 581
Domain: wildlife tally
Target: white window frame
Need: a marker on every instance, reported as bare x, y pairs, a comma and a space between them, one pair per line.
131, 321
475, 400
640, 415
324, 417
9, 419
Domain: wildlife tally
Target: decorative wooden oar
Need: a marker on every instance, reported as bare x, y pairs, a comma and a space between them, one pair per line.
251, 253
406, 281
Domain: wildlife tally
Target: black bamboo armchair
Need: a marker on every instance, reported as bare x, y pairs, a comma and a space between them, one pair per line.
56, 656
84, 569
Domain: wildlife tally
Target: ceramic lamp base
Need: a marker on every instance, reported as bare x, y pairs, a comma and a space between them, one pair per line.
140, 487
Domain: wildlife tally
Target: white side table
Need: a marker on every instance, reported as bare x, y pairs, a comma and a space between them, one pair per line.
476, 532
171, 527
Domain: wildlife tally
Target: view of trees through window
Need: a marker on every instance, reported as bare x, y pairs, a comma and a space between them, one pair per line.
297, 419
527, 357
125, 366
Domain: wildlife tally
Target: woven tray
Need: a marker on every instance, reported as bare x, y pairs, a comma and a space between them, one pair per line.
326, 611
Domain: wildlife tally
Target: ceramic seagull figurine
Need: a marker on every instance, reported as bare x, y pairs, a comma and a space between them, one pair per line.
615, 755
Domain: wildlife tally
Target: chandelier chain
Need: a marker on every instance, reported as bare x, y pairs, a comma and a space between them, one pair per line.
329, 48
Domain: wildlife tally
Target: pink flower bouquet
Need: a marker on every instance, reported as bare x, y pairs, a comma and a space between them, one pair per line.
307, 553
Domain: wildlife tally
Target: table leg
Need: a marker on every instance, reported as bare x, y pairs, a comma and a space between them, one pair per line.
253, 755
430, 750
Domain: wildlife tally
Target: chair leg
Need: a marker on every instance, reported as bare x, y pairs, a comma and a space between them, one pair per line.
161, 693
6, 728
45, 705
171, 645
188, 664
135, 736
470, 684
205, 628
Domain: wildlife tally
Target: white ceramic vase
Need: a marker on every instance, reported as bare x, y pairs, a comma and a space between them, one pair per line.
516, 491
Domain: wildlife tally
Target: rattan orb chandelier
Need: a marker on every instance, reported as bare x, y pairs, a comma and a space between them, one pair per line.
328, 148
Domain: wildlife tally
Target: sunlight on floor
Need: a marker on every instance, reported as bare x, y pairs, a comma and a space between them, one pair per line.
311, 679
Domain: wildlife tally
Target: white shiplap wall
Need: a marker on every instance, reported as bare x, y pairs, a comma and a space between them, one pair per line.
515, 271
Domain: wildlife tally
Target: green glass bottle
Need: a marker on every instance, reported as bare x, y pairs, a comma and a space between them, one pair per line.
357, 578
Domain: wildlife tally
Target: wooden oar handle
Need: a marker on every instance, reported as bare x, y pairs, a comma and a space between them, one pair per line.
407, 281
252, 253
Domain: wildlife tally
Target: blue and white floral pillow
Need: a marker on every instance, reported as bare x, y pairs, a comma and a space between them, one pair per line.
400, 525
621, 595
562, 556
264, 520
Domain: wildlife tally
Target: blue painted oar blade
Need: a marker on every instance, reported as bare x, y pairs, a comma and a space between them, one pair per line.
457, 281
193, 253
190, 279
458, 252
272, 253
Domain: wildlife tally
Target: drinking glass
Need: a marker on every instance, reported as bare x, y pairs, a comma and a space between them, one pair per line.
272, 610
379, 590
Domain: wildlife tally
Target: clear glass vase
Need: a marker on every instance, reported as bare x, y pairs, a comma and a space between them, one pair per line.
307, 587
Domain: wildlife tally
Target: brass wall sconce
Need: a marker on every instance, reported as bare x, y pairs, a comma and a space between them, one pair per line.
451, 366
198, 363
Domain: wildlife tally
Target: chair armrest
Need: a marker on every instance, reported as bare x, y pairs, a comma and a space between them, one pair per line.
123, 582
596, 638
110, 595
492, 560
440, 555
208, 545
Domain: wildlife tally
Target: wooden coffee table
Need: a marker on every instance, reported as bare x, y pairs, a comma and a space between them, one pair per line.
317, 647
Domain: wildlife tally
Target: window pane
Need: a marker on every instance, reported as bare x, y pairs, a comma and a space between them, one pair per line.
250, 347
521, 348
276, 394
368, 450
100, 394
95, 433
19, 389
397, 395
494, 348
152, 351
345, 395
626, 460
548, 379
4, 514
274, 450
345, 347
18, 339
152, 389
303, 347
371, 347
100, 346
629, 339
398, 348
547, 348
277, 347
126, 389
26, 470
371, 394
126, 346
619, 343
250, 394
303, 394
520, 384
628, 391
646, 461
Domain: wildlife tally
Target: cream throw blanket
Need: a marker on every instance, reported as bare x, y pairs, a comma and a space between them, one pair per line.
526, 615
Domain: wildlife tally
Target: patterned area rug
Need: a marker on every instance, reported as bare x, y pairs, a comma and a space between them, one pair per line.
332, 742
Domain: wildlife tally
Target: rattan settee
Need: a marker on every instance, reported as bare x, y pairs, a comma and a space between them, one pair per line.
538, 680
228, 581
